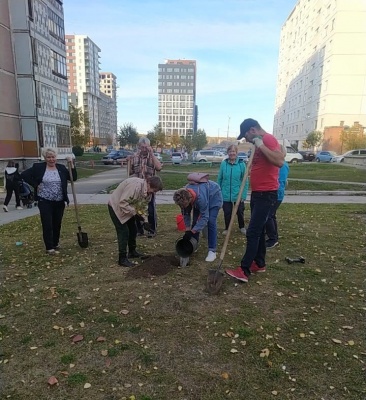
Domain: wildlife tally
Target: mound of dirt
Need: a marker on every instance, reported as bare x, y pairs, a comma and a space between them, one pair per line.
154, 266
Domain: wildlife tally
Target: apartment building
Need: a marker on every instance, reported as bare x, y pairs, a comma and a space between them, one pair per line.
33, 80
108, 90
322, 68
177, 110
82, 56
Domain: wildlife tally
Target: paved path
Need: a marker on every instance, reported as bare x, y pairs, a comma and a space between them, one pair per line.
89, 192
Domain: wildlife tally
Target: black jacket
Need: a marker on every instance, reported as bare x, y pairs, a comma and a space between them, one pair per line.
34, 176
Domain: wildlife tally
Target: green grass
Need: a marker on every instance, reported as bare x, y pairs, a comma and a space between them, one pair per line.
164, 337
85, 172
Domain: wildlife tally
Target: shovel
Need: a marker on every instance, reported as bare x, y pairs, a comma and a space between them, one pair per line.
82, 236
215, 277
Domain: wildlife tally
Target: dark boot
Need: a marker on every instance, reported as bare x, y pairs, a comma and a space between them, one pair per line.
123, 261
135, 254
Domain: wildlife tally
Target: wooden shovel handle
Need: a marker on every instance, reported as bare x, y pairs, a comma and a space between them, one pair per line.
74, 194
236, 206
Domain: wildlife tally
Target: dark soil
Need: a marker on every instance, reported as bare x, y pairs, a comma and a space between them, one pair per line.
154, 266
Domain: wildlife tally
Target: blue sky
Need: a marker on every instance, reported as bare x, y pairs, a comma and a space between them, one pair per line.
235, 44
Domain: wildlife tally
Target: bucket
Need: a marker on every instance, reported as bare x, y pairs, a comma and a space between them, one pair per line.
180, 222
185, 248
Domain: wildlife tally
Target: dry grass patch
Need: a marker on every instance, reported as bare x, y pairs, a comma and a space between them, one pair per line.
293, 332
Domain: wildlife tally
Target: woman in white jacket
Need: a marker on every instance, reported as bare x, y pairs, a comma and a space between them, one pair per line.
12, 179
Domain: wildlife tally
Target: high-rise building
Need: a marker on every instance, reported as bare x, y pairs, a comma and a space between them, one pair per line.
33, 80
108, 92
82, 56
322, 74
177, 97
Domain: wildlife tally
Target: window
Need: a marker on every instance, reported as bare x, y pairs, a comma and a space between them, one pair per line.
63, 136
60, 100
58, 65
56, 26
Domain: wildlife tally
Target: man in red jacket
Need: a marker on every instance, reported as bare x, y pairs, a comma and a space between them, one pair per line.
267, 160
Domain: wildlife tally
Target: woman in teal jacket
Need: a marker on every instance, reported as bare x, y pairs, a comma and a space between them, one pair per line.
231, 174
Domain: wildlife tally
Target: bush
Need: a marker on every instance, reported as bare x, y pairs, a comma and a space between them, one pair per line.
77, 150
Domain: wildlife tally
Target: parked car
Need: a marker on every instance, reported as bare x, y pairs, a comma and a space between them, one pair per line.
307, 155
177, 157
325, 156
208, 156
242, 155
292, 155
158, 156
358, 152
116, 156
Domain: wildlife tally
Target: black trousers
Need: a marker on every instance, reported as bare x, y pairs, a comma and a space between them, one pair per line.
51, 213
126, 233
227, 207
10, 188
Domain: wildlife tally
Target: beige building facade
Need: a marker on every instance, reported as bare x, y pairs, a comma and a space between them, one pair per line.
33, 81
108, 91
322, 68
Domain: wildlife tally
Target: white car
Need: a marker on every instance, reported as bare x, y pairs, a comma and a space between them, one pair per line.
293, 156
158, 156
177, 157
358, 152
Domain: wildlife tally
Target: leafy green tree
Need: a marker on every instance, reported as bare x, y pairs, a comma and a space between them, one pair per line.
156, 136
314, 139
186, 142
174, 140
127, 135
353, 138
199, 139
79, 126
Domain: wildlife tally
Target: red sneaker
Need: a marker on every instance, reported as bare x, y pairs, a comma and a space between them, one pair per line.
254, 268
237, 273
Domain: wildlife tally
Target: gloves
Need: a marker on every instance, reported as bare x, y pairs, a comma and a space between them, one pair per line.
258, 142
187, 236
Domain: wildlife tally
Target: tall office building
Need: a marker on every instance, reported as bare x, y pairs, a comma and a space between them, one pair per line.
177, 97
82, 56
322, 74
33, 80
108, 103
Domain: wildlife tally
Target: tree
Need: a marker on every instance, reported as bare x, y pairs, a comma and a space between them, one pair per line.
314, 139
353, 138
79, 126
199, 139
156, 136
127, 135
174, 140
186, 142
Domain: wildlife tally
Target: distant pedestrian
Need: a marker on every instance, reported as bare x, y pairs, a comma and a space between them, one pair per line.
144, 164
231, 174
12, 179
126, 206
49, 180
205, 199
271, 224
267, 159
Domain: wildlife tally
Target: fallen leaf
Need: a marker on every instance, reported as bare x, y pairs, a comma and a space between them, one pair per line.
225, 375
337, 341
104, 353
101, 339
124, 312
180, 388
52, 380
77, 338
351, 343
233, 351
347, 327
280, 347
87, 385
264, 353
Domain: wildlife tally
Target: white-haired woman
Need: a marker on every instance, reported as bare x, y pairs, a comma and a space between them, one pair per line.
49, 180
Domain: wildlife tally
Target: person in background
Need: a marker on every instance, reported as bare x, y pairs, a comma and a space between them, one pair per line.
12, 179
125, 206
144, 165
49, 180
206, 200
267, 160
231, 174
271, 224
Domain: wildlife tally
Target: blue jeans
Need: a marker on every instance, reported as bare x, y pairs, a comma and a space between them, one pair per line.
211, 227
261, 205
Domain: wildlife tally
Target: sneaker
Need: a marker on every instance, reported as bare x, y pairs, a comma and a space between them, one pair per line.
5, 208
211, 256
237, 273
52, 252
271, 245
125, 262
243, 231
224, 232
254, 268
57, 247
19, 208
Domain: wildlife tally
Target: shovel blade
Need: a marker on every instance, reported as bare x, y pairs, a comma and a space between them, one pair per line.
83, 239
214, 282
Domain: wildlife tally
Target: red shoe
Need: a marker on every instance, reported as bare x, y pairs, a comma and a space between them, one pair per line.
237, 273
254, 268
